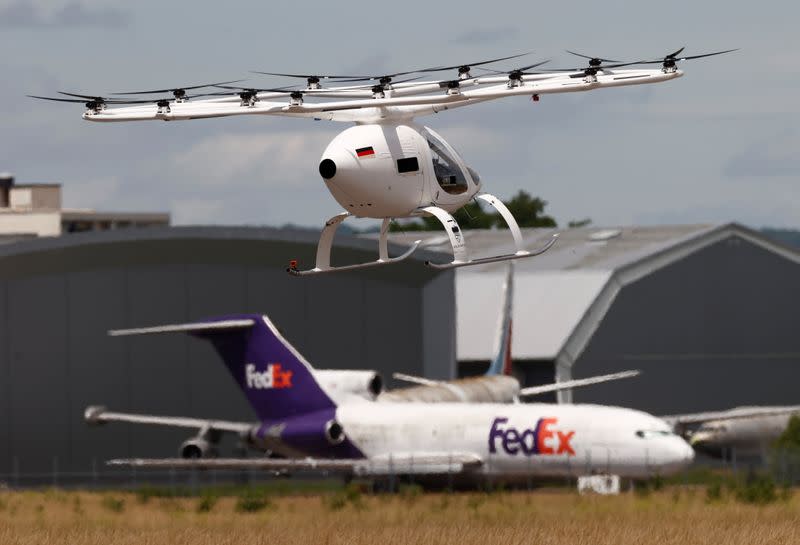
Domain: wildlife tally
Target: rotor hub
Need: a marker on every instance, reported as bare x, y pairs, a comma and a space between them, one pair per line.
249, 97
96, 105
377, 91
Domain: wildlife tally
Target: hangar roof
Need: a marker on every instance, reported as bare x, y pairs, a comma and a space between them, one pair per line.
561, 296
266, 246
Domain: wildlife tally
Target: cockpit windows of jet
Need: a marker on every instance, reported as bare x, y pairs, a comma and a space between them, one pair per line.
649, 434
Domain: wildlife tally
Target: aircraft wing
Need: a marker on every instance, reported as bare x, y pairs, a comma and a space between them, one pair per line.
417, 463
678, 420
99, 415
416, 380
556, 386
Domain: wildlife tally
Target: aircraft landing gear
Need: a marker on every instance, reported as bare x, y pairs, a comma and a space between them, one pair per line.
323, 264
460, 256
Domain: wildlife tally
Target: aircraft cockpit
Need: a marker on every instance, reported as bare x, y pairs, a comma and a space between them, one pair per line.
449, 175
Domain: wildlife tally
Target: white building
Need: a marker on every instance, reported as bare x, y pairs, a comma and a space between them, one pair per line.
34, 210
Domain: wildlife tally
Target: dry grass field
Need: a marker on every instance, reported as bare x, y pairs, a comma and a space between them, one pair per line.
543, 517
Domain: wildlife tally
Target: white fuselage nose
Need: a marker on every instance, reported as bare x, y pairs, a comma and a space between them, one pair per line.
387, 171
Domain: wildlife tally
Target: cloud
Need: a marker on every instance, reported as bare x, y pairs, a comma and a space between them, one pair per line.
190, 211
92, 193
775, 156
486, 35
22, 14
265, 159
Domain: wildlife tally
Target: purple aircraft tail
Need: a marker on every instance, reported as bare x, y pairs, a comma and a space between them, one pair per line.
277, 380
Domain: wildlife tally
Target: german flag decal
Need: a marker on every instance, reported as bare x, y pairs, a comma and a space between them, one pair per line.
365, 152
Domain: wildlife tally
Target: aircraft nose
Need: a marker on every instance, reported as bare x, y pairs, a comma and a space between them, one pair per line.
678, 455
688, 452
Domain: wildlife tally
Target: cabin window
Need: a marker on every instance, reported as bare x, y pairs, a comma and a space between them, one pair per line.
407, 164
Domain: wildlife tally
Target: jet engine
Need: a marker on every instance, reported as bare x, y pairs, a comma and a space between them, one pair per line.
334, 432
202, 445
366, 384
198, 447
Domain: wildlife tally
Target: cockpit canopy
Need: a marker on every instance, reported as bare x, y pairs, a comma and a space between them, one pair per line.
450, 175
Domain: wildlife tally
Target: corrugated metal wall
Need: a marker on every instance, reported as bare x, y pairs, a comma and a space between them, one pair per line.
715, 330
56, 305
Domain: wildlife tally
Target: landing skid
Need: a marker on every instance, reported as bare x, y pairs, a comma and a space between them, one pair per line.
460, 256
494, 259
323, 264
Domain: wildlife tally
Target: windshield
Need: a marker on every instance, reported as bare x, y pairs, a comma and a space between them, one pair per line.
649, 434
445, 168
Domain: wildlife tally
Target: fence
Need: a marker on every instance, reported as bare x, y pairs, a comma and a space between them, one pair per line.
782, 465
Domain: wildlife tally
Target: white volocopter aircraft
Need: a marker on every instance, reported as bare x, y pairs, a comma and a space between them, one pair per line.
498, 385
315, 428
388, 166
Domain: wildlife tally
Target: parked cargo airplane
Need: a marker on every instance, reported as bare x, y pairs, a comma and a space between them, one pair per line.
312, 428
498, 385
746, 432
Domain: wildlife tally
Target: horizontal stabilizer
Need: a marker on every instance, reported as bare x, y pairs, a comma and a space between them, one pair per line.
405, 464
577, 383
97, 414
186, 328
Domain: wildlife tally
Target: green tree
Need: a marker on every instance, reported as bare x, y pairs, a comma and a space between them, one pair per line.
527, 210
573, 224
790, 438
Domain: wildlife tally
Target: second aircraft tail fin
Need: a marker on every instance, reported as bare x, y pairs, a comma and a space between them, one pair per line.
502, 363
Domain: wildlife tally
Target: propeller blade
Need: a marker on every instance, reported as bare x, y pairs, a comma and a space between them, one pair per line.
472, 64
240, 90
74, 100
88, 97
678, 52
521, 70
677, 59
707, 55
598, 68
601, 59
173, 89
307, 76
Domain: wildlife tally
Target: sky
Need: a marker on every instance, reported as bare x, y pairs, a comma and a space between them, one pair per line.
720, 144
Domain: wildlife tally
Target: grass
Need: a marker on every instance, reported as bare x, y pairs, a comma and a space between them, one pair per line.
668, 515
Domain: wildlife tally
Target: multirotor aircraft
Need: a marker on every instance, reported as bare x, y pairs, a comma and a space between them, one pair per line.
388, 166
